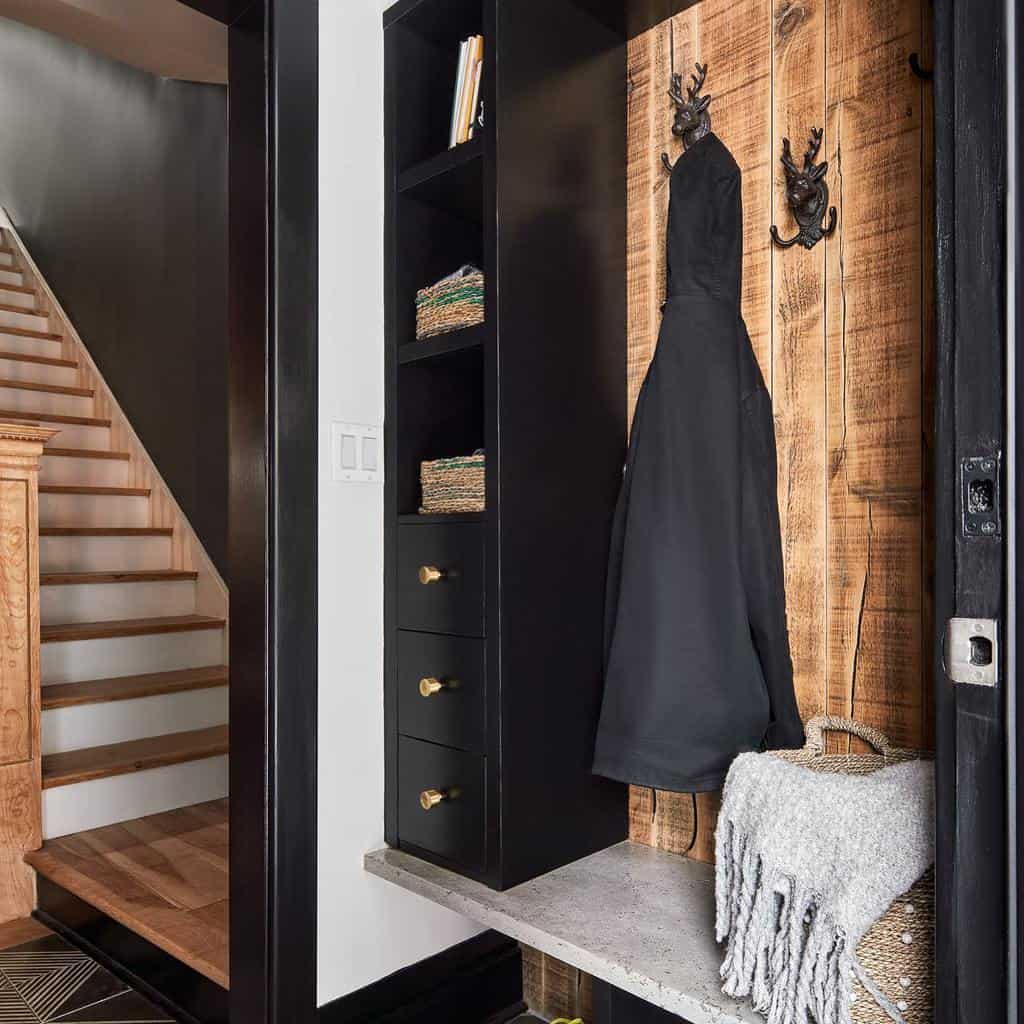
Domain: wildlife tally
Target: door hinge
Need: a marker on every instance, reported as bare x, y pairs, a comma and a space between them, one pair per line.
971, 651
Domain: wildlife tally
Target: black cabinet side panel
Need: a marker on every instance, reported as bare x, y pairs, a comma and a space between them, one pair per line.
561, 297
117, 181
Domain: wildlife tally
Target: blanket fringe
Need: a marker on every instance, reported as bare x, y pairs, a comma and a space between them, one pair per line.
783, 952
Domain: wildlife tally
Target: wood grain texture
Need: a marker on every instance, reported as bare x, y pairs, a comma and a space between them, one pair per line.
874, 368
152, 684
164, 877
20, 800
21, 930
62, 632
73, 766
842, 332
555, 989
798, 351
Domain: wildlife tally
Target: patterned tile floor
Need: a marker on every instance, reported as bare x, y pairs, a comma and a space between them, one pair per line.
47, 981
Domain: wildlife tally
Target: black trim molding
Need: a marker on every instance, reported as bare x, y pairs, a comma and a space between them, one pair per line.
478, 980
160, 977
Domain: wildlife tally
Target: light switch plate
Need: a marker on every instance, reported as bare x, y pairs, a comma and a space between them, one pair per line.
356, 455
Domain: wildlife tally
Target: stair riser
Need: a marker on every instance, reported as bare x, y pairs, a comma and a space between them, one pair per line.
93, 510
29, 346
24, 320
11, 275
73, 435
44, 402
106, 602
23, 300
60, 469
41, 373
94, 725
77, 660
102, 554
101, 802
7, 260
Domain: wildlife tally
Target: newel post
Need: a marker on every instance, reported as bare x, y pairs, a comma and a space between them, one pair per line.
20, 760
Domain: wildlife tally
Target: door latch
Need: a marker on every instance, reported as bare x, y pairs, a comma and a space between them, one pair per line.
972, 651
979, 495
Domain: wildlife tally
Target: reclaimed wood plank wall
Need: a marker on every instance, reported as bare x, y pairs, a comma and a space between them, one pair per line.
844, 335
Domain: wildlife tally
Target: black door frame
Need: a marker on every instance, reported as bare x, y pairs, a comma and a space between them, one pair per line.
272, 534
974, 776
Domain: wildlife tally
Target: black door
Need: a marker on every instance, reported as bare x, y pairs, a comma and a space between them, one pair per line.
974, 516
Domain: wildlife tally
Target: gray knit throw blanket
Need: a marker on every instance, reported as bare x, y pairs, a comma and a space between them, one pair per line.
807, 862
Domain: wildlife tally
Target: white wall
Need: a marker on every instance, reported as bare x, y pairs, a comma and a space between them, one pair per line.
367, 928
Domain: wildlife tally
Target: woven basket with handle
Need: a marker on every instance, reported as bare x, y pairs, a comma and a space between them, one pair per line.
898, 950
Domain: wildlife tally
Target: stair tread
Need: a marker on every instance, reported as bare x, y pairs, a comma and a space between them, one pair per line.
73, 766
152, 684
65, 631
126, 492
23, 357
58, 579
55, 389
106, 531
53, 417
87, 453
28, 332
24, 289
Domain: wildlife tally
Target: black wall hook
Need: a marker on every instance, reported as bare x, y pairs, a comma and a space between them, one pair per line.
915, 65
807, 196
692, 121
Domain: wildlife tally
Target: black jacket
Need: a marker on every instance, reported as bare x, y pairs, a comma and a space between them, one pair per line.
697, 653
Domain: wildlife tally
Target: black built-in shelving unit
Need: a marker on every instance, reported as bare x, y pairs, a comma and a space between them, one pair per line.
537, 200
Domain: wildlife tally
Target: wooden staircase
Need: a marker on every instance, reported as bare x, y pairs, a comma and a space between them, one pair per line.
133, 614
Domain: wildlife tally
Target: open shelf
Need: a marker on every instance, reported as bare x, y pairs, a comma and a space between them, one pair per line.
452, 180
437, 519
442, 345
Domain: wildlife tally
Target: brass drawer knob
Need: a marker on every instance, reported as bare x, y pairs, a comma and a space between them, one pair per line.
430, 686
431, 574
430, 798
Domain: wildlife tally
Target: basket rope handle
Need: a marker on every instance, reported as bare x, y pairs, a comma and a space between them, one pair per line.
816, 728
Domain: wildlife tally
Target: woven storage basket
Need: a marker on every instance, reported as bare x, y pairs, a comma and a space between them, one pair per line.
453, 485
455, 302
898, 950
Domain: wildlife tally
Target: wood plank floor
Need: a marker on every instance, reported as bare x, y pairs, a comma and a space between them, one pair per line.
165, 877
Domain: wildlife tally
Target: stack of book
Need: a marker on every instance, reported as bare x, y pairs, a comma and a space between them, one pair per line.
467, 90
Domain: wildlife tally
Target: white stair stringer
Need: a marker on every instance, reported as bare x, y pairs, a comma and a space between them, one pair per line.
103, 513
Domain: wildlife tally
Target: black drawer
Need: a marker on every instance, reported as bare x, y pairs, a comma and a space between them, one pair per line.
454, 827
441, 695
441, 578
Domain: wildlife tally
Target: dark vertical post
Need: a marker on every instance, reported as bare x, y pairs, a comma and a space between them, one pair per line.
273, 510
971, 728
292, 443
248, 526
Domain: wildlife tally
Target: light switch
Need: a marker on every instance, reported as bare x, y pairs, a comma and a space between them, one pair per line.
356, 453
348, 451
370, 457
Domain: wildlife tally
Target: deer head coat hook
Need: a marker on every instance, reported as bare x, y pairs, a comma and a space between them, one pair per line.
807, 196
692, 121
